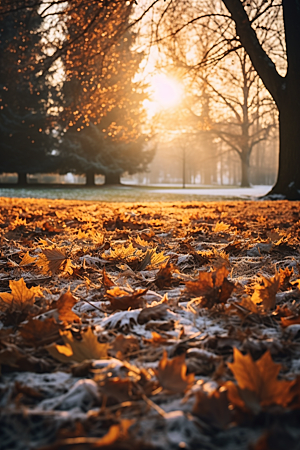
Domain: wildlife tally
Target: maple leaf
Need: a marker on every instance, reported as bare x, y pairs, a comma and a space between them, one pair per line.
220, 227
121, 299
64, 307
75, 350
21, 298
27, 259
266, 294
122, 345
164, 276
123, 252
151, 258
213, 286
40, 332
213, 407
171, 373
52, 260
257, 381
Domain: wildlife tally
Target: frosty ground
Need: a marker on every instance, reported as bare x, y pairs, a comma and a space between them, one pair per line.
159, 325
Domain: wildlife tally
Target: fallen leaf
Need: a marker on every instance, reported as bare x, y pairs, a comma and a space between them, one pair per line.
220, 227
40, 332
107, 282
164, 277
171, 373
27, 259
52, 260
213, 286
266, 294
213, 407
75, 350
151, 258
21, 298
123, 344
121, 299
156, 312
260, 378
64, 307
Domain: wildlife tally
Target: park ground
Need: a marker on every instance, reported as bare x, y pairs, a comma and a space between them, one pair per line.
149, 325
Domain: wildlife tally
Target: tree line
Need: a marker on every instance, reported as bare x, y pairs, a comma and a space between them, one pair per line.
98, 95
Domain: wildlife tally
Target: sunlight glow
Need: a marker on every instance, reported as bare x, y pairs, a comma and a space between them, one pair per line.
165, 93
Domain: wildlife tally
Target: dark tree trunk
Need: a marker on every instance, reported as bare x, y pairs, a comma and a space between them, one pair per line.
288, 179
90, 178
112, 178
245, 181
22, 179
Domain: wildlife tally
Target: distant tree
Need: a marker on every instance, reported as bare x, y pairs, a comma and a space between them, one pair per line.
114, 142
26, 137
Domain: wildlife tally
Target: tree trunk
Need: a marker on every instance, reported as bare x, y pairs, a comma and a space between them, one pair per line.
288, 180
90, 178
112, 178
22, 179
245, 181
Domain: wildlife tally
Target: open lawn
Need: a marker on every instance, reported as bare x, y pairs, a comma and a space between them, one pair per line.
149, 325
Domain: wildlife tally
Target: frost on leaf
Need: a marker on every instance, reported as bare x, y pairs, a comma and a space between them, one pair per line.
213, 286
257, 382
266, 294
171, 373
75, 350
121, 299
21, 298
52, 260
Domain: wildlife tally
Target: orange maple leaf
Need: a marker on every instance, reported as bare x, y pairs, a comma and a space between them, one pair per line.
213, 286
21, 298
171, 373
257, 381
266, 294
75, 350
64, 307
52, 260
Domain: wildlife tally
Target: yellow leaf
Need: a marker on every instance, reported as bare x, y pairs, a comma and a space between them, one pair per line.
27, 259
75, 350
52, 260
20, 297
220, 226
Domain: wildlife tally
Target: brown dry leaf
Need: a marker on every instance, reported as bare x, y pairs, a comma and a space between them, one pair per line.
75, 350
266, 294
123, 344
213, 286
164, 276
52, 260
213, 407
171, 373
121, 299
64, 307
27, 259
156, 312
40, 332
260, 379
21, 298
118, 388
248, 304
107, 282
285, 275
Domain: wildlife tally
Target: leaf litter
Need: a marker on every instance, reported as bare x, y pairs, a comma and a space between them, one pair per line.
138, 326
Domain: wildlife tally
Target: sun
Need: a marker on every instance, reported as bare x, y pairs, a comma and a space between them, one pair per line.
165, 93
